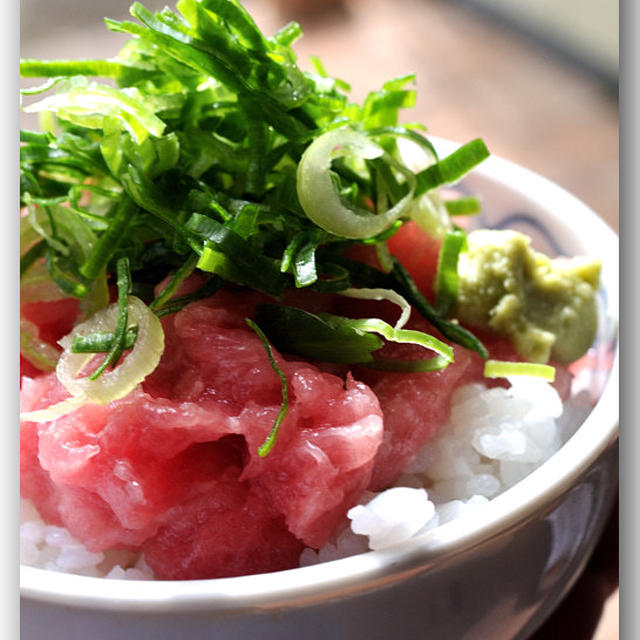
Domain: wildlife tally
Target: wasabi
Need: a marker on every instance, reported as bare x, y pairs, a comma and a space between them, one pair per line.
546, 307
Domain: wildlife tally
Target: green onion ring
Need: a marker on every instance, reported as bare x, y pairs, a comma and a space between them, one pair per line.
319, 197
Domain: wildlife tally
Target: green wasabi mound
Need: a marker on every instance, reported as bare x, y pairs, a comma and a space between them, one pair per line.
546, 307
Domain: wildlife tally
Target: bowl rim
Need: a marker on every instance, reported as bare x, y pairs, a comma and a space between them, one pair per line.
313, 584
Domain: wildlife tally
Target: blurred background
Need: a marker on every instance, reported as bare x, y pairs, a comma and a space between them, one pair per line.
537, 80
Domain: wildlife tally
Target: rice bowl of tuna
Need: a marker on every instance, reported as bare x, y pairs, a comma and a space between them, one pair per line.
263, 448
552, 517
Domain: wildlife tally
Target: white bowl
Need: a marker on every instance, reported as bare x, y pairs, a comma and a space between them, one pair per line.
496, 578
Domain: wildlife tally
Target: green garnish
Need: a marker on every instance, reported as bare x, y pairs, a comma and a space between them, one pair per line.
327, 337
109, 240
320, 337
181, 274
102, 341
449, 329
119, 341
504, 369
446, 283
410, 336
176, 304
463, 206
215, 153
383, 294
452, 168
267, 445
36, 252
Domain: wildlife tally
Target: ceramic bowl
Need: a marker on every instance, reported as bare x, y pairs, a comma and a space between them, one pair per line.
496, 578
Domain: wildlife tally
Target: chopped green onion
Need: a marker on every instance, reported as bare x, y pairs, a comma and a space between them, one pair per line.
316, 337
53, 68
36, 252
330, 338
230, 256
176, 304
449, 329
504, 369
304, 265
290, 251
410, 336
257, 135
446, 282
382, 294
36, 137
452, 168
463, 206
245, 224
211, 149
288, 34
267, 445
110, 240
318, 195
120, 334
102, 341
183, 272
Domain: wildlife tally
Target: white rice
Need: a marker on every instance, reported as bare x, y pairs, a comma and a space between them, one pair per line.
493, 439
54, 548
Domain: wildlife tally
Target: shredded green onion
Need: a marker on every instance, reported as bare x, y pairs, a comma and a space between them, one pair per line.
382, 294
118, 343
330, 338
453, 167
448, 328
183, 272
318, 195
446, 282
99, 68
109, 241
410, 336
208, 149
463, 206
268, 444
102, 341
504, 369
321, 337
176, 304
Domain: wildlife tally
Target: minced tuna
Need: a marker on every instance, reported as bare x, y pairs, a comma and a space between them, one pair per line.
173, 469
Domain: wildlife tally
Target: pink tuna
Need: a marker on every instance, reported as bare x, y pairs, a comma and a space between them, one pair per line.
181, 451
